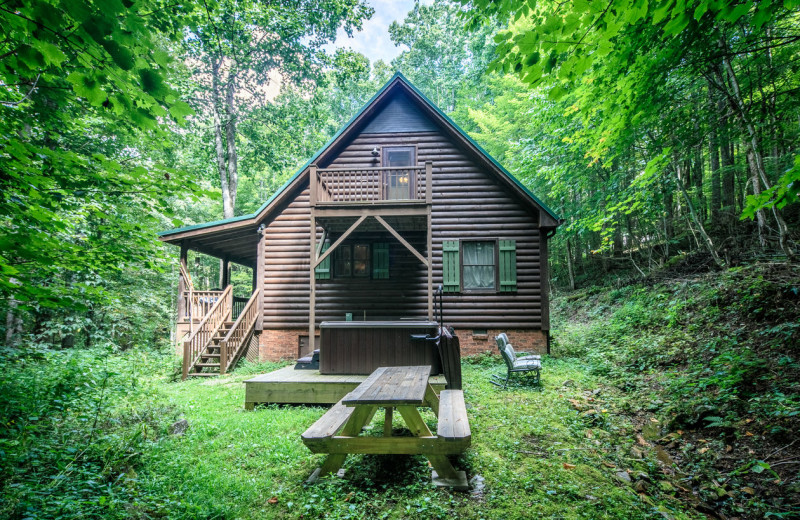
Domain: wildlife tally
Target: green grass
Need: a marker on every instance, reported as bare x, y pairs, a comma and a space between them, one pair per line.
236, 464
704, 371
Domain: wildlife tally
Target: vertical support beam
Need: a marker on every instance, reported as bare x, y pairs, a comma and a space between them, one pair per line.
186, 360
312, 257
544, 283
225, 275
429, 202
430, 266
223, 357
182, 282
428, 182
312, 185
258, 275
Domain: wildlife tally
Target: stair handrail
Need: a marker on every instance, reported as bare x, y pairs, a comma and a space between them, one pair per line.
201, 338
246, 322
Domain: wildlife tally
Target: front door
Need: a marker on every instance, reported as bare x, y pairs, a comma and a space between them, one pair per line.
399, 183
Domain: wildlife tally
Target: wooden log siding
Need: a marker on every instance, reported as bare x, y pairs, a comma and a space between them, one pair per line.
467, 205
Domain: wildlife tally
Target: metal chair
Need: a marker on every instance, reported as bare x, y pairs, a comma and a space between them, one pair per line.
517, 366
502, 343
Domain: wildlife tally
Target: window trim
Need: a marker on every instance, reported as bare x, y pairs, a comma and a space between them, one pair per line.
351, 276
412, 181
464, 289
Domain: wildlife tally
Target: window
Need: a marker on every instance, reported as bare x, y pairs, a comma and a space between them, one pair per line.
399, 184
351, 261
478, 265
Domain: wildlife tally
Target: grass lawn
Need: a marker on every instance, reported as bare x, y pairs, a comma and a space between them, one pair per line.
555, 452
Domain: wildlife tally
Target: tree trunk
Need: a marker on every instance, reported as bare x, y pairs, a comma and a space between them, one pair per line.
754, 157
713, 154
706, 239
13, 322
569, 267
219, 146
697, 175
230, 137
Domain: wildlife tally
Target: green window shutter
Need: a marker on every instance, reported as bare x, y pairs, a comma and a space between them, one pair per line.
508, 266
451, 270
323, 270
380, 261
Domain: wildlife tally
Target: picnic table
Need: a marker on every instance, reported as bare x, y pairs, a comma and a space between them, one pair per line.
405, 390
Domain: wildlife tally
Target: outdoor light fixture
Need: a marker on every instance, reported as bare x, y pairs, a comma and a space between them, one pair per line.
375, 152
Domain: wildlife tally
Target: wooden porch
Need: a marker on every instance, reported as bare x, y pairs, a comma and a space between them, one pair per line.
342, 201
290, 386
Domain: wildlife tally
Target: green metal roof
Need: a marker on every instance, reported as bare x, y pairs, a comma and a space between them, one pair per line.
397, 75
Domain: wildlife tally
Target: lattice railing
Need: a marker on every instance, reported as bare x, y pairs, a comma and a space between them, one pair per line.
355, 185
196, 304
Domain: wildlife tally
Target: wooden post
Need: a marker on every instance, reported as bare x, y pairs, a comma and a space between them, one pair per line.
258, 274
429, 202
312, 295
225, 275
223, 356
182, 282
312, 185
186, 360
428, 182
430, 266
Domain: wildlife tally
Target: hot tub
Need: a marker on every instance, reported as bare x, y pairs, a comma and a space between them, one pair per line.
359, 347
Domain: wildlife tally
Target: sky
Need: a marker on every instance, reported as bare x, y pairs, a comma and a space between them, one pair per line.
373, 40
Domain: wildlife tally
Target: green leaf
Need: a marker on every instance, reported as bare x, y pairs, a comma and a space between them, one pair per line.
556, 93
31, 57
661, 12
733, 15
180, 110
87, 87
162, 58
700, 10
677, 24
120, 54
51, 53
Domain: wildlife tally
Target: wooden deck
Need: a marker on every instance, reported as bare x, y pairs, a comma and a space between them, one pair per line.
290, 386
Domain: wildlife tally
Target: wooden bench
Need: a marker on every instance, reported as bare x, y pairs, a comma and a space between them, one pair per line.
453, 423
327, 426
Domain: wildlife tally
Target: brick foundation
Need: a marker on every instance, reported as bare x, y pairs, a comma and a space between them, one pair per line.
524, 340
281, 344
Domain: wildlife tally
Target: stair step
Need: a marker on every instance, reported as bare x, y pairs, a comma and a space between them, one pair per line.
209, 355
215, 365
203, 374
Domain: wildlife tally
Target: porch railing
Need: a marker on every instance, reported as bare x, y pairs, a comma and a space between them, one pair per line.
196, 304
201, 337
371, 185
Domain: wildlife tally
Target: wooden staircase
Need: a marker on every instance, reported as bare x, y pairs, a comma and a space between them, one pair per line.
219, 343
209, 362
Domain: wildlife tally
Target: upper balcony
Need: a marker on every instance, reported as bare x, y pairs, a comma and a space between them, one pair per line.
349, 187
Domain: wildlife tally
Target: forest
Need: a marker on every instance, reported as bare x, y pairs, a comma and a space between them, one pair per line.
666, 135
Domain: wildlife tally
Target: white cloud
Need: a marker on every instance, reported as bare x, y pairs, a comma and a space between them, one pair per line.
373, 40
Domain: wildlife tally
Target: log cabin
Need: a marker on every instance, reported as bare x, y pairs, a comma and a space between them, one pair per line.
401, 201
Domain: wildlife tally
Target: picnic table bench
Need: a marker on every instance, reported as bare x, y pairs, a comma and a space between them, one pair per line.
404, 389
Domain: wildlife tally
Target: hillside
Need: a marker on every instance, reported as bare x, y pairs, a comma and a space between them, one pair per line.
705, 365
